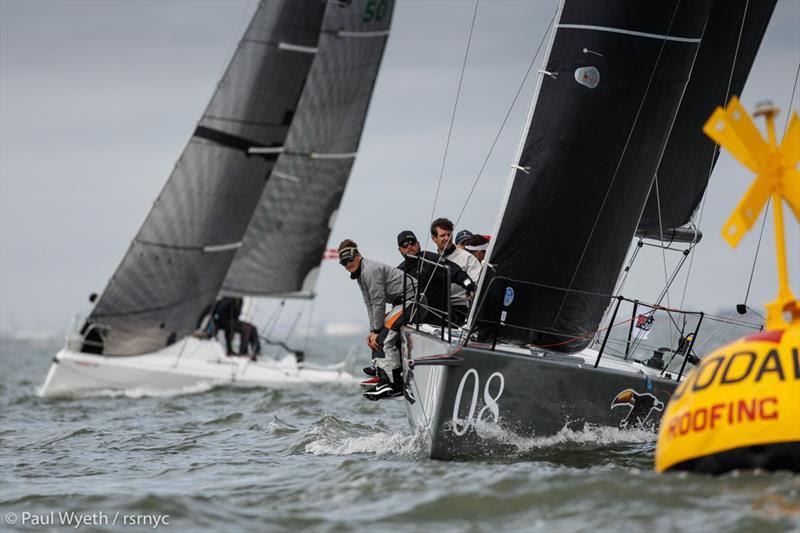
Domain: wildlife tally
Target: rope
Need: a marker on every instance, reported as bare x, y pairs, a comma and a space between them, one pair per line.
715, 149
708, 339
455, 107
758, 247
664, 252
308, 325
586, 335
766, 209
496, 138
505, 120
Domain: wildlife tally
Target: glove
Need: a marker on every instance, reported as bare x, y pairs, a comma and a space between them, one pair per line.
469, 286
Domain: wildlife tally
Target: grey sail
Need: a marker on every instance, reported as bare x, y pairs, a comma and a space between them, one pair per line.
287, 236
610, 92
175, 265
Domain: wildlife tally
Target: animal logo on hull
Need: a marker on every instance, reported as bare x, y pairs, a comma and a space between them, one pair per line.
641, 407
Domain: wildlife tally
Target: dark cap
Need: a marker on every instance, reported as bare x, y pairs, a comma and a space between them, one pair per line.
347, 254
463, 235
406, 235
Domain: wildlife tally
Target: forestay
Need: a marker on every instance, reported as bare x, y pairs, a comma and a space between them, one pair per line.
608, 95
287, 236
176, 263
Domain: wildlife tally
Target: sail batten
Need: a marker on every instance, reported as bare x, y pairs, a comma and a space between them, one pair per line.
175, 266
288, 233
622, 31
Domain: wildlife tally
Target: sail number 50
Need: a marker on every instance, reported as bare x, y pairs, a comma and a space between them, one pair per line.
460, 426
375, 11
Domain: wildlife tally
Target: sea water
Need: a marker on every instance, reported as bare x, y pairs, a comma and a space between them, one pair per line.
323, 459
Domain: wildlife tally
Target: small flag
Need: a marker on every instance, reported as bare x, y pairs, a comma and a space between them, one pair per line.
644, 323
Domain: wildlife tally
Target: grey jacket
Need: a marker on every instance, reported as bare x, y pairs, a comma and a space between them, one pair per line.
381, 284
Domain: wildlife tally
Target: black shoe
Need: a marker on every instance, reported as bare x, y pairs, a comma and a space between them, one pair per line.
370, 370
383, 390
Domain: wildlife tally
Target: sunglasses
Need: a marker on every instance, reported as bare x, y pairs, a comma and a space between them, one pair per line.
407, 243
345, 262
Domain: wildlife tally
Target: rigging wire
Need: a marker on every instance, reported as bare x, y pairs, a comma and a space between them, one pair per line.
755, 256
497, 136
766, 209
308, 325
715, 150
505, 120
664, 256
455, 107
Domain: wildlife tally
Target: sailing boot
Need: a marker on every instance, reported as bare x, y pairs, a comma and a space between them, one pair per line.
386, 388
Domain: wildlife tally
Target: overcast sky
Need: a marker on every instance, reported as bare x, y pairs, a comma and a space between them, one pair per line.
98, 99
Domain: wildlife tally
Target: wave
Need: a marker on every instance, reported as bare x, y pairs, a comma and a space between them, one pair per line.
333, 436
377, 444
139, 392
589, 434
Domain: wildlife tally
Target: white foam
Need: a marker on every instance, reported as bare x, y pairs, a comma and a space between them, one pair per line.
378, 444
590, 434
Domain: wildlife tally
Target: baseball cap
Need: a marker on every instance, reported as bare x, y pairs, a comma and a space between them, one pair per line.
405, 235
463, 235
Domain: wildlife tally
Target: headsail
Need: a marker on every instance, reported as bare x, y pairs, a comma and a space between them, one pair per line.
730, 42
286, 239
610, 90
176, 263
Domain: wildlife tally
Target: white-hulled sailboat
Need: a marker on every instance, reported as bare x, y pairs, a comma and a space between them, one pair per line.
247, 210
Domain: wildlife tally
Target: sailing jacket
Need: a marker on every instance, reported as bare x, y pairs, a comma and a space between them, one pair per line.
468, 264
431, 273
381, 284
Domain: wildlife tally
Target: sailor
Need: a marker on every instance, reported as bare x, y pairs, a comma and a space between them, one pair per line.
248, 338
441, 234
461, 237
381, 284
226, 318
477, 246
431, 272
92, 333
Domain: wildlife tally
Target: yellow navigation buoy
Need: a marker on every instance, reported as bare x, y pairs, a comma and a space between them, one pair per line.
740, 408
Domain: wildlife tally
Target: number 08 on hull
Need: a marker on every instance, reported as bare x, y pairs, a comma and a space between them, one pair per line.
469, 402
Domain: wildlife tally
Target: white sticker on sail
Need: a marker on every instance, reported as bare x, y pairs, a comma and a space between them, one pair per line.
587, 76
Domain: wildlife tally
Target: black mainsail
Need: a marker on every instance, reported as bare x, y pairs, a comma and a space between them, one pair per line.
611, 88
285, 241
731, 39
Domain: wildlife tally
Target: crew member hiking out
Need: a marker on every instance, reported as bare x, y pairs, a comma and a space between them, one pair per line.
381, 284
431, 272
441, 234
